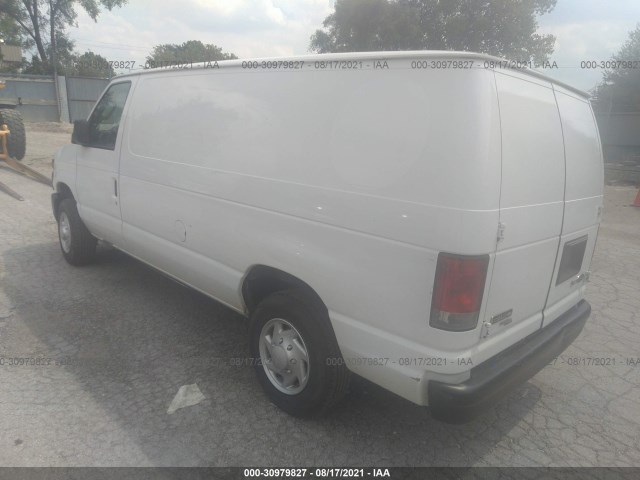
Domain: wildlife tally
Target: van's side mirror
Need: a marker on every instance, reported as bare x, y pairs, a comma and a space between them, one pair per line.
80, 135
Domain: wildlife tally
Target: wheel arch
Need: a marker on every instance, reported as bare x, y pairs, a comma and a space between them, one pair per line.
261, 281
62, 191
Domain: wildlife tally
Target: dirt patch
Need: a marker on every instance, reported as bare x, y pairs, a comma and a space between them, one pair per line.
43, 140
53, 127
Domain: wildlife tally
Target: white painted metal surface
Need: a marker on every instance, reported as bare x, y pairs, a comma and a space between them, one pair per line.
354, 181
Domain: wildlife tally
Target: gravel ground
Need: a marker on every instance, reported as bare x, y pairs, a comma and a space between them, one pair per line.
123, 339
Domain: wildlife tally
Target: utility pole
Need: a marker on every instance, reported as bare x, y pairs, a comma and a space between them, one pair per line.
54, 58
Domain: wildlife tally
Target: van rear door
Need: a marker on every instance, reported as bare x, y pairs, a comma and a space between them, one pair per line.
531, 204
583, 203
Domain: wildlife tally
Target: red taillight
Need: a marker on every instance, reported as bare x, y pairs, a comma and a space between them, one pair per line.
457, 291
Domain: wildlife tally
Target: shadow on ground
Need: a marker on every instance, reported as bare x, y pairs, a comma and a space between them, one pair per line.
131, 337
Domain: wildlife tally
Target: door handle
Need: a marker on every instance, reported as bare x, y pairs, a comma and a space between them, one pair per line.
115, 190
583, 277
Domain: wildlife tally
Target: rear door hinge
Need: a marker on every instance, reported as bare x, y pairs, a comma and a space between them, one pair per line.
501, 227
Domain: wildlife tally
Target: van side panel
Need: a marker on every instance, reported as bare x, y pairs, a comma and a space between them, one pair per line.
531, 203
584, 196
399, 134
352, 181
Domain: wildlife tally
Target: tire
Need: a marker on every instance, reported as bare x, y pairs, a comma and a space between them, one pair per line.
303, 322
76, 242
17, 139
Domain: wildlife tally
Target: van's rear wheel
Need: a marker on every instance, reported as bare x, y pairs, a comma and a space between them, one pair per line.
76, 242
297, 359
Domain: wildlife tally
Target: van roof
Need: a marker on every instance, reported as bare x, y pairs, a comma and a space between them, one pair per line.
386, 55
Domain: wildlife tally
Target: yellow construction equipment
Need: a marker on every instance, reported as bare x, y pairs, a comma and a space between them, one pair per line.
16, 166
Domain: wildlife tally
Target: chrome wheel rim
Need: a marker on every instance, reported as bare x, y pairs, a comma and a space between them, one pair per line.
64, 229
284, 356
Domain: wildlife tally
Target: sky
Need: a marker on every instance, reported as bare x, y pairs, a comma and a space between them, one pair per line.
585, 29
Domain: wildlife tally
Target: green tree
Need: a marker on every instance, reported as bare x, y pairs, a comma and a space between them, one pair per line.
9, 30
499, 27
89, 64
10, 34
187, 52
35, 66
620, 87
46, 21
368, 25
64, 57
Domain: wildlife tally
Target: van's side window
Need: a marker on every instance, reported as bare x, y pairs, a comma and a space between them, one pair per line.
105, 119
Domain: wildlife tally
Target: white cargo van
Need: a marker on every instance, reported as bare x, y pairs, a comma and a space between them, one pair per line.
423, 219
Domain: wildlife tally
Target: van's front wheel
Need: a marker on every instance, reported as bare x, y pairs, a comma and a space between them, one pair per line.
76, 242
296, 356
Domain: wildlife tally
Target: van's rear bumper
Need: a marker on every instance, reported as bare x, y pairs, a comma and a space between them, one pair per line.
490, 380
